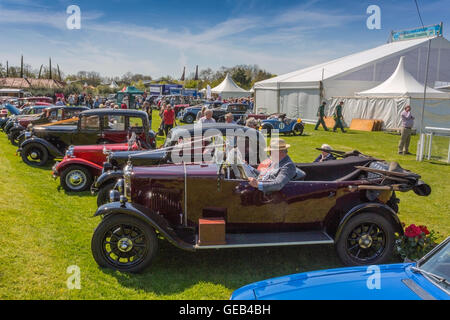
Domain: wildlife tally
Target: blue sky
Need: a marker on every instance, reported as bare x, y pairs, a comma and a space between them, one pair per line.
161, 37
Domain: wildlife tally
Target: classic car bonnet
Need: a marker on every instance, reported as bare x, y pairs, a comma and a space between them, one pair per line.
137, 158
346, 284
175, 171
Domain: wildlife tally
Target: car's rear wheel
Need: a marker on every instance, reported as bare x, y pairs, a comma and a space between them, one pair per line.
103, 194
189, 119
124, 243
298, 130
35, 155
76, 179
366, 239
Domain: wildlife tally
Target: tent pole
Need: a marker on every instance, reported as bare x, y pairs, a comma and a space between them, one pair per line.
278, 97
422, 131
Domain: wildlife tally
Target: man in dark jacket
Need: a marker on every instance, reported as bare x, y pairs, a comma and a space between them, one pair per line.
281, 171
321, 115
338, 117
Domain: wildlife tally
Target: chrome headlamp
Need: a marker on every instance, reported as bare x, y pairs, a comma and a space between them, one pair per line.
28, 134
127, 171
69, 152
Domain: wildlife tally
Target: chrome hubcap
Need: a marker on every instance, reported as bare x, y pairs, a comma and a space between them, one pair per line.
76, 179
125, 245
33, 155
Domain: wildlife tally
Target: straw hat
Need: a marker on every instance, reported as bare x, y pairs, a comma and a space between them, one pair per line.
278, 145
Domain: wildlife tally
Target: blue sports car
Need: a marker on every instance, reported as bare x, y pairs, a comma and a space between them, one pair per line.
429, 279
283, 124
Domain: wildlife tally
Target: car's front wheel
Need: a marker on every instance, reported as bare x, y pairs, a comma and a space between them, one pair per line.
124, 243
366, 239
13, 137
35, 155
103, 194
76, 179
189, 119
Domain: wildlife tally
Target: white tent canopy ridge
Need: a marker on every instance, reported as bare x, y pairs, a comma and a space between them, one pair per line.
299, 93
388, 100
229, 89
402, 83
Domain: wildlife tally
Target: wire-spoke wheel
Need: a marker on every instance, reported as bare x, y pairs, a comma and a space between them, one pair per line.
34, 155
189, 119
124, 243
366, 239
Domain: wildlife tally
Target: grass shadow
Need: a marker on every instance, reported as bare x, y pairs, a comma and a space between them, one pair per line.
175, 271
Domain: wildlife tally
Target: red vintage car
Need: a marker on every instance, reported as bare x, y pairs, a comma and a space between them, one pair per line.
83, 163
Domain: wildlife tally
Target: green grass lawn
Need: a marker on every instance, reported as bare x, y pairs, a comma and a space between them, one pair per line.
44, 231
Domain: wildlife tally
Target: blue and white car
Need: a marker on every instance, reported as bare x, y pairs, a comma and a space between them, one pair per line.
189, 115
429, 279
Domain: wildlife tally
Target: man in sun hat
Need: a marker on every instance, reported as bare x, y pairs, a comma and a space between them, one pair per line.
325, 156
280, 172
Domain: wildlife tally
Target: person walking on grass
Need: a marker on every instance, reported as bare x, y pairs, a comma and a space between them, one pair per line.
321, 115
169, 119
338, 117
406, 131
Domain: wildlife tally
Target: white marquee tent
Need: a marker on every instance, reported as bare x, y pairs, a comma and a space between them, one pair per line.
387, 100
229, 89
299, 93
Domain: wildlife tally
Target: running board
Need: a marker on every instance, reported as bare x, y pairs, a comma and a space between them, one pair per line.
251, 240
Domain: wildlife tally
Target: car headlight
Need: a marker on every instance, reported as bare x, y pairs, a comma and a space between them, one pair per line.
69, 152
127, 171
299, 120
28, 134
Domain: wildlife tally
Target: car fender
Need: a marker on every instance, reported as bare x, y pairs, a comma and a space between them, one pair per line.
108, 177
94, 168
50, 147
147, 216
373, 206
266, 123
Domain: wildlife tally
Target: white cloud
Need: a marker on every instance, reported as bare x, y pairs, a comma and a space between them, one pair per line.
279, 44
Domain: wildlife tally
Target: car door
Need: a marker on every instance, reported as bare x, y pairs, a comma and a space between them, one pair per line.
114, 128
88, 132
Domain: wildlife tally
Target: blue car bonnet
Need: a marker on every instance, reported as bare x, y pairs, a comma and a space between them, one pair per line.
396, 282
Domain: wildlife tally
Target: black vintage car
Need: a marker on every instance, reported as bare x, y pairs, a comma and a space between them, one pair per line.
100, 126
49, 115
116, 161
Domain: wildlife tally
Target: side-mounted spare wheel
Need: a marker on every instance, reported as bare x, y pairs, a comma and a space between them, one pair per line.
76, 179
35, 154
366, 239
124, 243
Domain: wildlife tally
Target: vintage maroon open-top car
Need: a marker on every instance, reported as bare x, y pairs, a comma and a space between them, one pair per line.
350, 203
